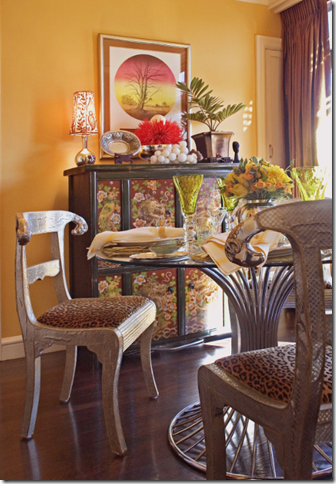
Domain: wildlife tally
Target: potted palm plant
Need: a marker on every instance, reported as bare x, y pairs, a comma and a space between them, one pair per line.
211, 112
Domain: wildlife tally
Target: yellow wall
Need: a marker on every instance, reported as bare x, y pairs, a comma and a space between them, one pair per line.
49, 49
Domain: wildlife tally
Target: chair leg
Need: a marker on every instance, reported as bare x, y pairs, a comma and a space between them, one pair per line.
214, 430
146, 361
298, 459
69, 372
33, 383
111, 362
235, 336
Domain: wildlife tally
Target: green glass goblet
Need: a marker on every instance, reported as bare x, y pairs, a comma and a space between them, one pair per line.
229, 203
311, 181
188, 187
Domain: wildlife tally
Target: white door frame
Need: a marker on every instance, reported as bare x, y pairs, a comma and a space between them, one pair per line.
263, 43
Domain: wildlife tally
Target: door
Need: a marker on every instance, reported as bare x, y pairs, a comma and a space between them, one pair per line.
275, 143
270, 134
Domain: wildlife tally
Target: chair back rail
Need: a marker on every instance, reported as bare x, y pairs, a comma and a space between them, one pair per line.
30, 223
40, 271
35, 223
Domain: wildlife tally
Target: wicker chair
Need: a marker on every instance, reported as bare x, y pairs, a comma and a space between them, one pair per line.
287, 389
107, 326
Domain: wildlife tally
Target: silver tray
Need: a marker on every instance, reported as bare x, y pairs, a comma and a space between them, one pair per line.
120, 143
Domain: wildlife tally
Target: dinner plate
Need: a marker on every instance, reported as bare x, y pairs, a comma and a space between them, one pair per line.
120, 143
280, 252
123, 251
179, 255
145, 243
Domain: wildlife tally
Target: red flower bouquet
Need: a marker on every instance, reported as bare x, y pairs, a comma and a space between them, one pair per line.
157, 132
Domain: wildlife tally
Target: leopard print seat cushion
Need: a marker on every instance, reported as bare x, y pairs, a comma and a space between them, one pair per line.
270, 371
92, 312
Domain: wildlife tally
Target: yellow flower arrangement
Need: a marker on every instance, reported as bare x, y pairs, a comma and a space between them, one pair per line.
256, 179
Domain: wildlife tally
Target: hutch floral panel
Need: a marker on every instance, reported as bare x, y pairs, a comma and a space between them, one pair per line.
109, 205
152, 203
110, 286
160, 286
209, 196
203, 302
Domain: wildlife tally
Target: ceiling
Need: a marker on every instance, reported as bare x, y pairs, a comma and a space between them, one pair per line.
276, 6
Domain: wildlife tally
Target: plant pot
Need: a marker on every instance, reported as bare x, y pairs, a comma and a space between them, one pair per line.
213, 143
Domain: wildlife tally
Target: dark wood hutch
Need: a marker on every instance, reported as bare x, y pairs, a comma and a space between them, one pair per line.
120, 197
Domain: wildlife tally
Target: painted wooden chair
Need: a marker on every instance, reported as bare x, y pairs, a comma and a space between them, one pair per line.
287, 390
107, 326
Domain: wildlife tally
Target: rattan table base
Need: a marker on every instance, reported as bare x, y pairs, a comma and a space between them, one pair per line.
250, 455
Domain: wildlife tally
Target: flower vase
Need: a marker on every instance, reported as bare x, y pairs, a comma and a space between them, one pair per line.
251, 208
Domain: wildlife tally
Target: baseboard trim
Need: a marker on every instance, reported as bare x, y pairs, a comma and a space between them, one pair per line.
12, 348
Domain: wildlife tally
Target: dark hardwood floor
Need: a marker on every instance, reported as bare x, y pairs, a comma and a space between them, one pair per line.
70, 440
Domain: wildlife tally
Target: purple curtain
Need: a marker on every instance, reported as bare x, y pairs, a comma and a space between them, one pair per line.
306, 75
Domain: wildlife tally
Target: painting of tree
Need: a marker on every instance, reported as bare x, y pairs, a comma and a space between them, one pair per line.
144, 86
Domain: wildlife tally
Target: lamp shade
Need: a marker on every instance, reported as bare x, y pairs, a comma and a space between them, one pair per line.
84, 121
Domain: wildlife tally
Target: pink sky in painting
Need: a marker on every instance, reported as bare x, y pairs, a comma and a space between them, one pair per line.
125, 68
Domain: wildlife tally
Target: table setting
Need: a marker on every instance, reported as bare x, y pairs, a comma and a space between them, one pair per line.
145, 244
142, 242
253, 185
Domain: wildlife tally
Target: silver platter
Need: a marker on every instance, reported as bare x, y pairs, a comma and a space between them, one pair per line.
120, 143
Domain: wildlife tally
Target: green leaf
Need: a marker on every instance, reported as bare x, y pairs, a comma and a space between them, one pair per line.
195, 117
183, 87
211, 111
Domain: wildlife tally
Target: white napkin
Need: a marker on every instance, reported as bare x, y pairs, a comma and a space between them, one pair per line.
263, 242
142, 234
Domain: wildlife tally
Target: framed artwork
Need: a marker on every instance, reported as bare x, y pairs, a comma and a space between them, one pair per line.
137, 80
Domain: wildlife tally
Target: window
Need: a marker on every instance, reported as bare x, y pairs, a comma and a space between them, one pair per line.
324, 131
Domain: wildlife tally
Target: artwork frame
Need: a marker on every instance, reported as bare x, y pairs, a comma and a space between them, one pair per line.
119, 94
